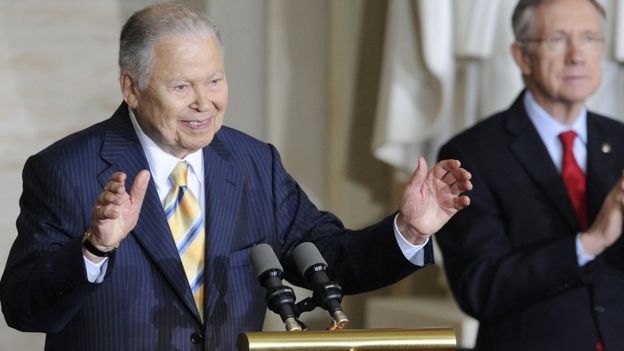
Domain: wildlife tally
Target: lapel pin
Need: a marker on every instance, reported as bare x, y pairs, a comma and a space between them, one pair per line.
606, 148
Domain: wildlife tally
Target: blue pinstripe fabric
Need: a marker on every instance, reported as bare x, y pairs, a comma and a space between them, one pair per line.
145, 301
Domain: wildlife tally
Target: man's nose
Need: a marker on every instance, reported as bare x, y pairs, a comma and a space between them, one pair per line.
575, 52
202, 101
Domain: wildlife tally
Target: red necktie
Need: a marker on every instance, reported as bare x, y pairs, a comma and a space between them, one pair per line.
574, 178
575, 183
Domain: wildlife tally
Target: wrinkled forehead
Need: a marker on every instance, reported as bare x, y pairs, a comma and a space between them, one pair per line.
187, 58
184, 47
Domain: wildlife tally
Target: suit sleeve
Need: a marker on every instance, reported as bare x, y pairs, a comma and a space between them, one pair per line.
44, 282
360, 260
490, 274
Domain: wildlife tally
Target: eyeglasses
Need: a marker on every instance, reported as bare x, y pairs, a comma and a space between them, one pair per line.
561, 43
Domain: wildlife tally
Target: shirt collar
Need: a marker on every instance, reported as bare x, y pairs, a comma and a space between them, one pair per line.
162, 163
548, 127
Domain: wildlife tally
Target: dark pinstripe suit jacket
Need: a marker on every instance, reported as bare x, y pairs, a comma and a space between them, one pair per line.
510, 256
145, 302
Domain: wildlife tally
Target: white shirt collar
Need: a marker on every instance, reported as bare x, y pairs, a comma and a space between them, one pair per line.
162, 163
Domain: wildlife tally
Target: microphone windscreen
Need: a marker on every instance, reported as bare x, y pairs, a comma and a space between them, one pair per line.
306, 255
263, 259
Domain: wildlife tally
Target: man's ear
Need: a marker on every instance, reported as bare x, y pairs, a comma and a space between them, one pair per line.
129, 89
521, 56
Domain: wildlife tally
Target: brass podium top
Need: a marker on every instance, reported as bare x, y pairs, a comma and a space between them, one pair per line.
350, 340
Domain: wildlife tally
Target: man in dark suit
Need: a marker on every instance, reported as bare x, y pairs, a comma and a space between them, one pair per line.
537, 258
98, 263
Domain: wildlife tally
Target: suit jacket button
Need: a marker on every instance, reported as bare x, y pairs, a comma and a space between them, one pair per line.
599, 309
197, 338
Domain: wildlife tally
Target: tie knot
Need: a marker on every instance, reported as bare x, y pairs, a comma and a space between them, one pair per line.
567, 139
178, 175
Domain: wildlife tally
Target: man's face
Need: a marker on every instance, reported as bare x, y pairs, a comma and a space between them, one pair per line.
183, 104
568, 72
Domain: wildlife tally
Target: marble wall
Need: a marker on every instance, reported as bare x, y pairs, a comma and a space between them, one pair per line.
58, 73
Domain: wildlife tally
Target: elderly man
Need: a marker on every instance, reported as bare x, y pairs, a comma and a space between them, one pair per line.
538, 258
134, 234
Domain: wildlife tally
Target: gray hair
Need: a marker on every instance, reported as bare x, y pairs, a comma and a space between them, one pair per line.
145, 27
523, 19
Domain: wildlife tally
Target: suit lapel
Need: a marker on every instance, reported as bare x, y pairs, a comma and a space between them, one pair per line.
122, 149
602, 172
530, 151
223, 187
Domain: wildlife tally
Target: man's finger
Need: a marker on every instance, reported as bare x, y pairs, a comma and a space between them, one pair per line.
461, 174
116, 183
444, 166
419, 175
460, 187
461, 202
449, 178
139, 188
106, 197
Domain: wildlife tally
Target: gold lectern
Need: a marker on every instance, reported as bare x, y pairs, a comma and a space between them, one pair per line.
350, 340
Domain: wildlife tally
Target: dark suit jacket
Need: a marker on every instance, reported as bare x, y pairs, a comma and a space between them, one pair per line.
510, 256
145, 302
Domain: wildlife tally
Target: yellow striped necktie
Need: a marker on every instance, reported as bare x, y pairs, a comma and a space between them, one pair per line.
187, 226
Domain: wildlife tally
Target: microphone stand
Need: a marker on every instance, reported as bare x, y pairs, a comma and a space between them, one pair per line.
339, 320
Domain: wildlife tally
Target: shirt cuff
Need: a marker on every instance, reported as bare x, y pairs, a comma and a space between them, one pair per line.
96, 271
581, 256
413, 253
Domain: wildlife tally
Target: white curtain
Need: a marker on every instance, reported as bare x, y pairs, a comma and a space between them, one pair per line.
448, 64
414, 105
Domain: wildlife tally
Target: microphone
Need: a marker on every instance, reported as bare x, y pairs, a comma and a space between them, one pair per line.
279, 298
327, 294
